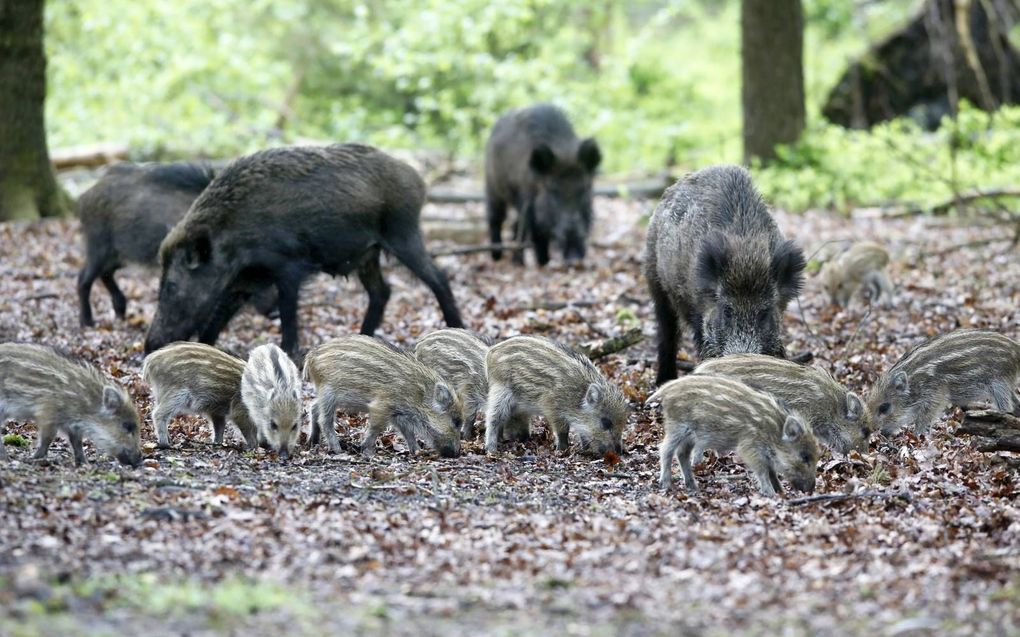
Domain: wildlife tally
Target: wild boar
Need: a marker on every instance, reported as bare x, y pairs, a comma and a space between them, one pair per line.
529, 375
535, 163
124, 218
716, 260
838, 417
713, 412
958, 368
271, 391
862, 266
279, 215
458, 356
361, 373
63, 394
192, 378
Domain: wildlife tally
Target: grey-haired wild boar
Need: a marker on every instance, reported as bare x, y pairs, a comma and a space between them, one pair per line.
530, 375
958, 368
458, 356
862, 266
838, 417
360, 373
271, 391
716, 260
535, 162
63, 394
192, 378
712, 412
280, 215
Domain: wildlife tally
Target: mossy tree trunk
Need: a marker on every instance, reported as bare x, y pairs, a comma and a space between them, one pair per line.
772, 89
28, 187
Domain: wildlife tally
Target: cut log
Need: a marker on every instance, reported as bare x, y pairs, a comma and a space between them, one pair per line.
993, 430
88, 156
604, 347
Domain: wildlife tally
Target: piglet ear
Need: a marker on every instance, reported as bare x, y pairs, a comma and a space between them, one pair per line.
712, 262
112, 399
542, 159
854, 406
589, 155
593, 396
900, 382
792, 429
443, 398
788, 268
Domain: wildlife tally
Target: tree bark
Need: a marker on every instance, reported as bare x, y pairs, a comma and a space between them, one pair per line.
772, 43
28, 188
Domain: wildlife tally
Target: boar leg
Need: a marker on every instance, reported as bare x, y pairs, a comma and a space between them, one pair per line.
541, 243
561, 429
47, 432
667, 451
370, 274
500, 408
86, 277
669, 328
219, 423
325, 408
467, 425
288, 288
410, 250
74, 437
518, 428
763, 473
496, 213
377, 420
407, 427
117, 297
522, 231
684, 451
161, 415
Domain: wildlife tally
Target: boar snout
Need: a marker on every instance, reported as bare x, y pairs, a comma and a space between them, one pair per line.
284, 453
449, 450
807, 485
130, 458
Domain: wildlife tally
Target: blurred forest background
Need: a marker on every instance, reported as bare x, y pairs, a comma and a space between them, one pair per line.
658, 82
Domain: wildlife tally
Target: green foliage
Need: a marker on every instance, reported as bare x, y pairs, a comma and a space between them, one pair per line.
15, 440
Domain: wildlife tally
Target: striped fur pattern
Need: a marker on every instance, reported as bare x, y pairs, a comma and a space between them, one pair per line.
530, 375
360, 373
711, 412
837, 417
458, 356
959, 368
192, 378
63, 394
861, 266
271, 391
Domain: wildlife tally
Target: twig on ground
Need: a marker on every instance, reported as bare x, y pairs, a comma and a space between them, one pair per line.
607, 346
842, 497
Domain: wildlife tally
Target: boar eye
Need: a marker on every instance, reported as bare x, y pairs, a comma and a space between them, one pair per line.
884, 408
129, 426
806, 457
727, 313
607, 423
272, 425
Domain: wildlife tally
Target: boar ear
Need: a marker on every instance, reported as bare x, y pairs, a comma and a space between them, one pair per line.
900, 382
712, 262
112, 399
589, 155
593, 396
199, 252
542, 159
854, 406
792, 429
443, 397
788, 268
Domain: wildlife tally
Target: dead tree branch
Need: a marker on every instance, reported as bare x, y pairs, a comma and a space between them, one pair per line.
604, 347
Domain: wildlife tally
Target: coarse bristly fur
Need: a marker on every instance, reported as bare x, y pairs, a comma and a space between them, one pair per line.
862, 265
360, 373
63, 394
271, 391
192, 378
958, 368
838, 417
530, 375
713, 412
716, 261
458, 356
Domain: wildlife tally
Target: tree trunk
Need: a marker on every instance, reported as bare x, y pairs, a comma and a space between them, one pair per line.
28, 188
772, 43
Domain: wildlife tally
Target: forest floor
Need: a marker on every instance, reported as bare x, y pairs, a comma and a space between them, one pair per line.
205, 539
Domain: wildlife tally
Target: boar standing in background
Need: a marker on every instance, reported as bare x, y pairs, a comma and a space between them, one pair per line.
535, 163
271, 391
717, 262
192, 378
529, 375
837, 417
62, 394
706, 412
280, 215
361, 373
861, 266
458, 356
959, 368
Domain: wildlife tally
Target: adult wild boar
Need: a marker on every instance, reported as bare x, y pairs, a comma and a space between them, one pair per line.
279, 215
716, 260
535, 163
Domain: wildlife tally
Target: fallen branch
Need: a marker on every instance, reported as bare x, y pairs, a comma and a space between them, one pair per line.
949, 204
803, 358
552, 306
977, 243
601, 348
641, 189
842, 497
993, 430
446, 252
88, 156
